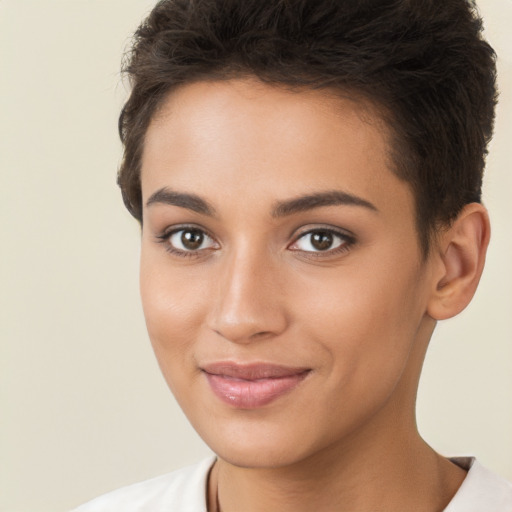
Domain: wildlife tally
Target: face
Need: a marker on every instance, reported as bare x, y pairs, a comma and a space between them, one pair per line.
281, 274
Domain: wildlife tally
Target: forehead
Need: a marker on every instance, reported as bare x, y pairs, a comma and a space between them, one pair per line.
244, 136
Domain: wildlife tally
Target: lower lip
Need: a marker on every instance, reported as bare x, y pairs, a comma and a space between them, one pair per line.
251, 394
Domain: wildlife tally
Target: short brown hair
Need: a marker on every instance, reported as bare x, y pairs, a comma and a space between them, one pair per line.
423, 62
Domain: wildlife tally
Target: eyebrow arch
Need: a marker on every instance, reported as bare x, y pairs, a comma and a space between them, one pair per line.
183, 200
328, 198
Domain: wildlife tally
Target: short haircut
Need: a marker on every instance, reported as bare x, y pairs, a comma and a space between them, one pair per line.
423, 63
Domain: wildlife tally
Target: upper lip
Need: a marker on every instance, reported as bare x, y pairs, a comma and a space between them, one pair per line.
252, 371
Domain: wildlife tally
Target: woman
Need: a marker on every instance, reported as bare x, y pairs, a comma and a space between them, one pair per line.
307, 176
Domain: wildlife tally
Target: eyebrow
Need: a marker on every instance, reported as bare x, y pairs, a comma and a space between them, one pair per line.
183, 200
281, 208
318, 200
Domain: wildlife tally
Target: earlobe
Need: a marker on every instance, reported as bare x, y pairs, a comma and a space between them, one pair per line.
460, 262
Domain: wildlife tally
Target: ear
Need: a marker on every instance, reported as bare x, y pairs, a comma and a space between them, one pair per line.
459, 262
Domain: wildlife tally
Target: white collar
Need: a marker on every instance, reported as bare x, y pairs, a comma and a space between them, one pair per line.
481, 490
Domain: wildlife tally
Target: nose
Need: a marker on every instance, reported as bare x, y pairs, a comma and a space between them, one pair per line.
249, 303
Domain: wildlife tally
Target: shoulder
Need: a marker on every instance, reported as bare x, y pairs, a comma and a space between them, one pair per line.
481, 490
184, 490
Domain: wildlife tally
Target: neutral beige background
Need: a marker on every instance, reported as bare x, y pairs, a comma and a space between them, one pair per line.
83, 406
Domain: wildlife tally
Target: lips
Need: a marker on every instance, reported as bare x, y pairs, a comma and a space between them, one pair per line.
252, 386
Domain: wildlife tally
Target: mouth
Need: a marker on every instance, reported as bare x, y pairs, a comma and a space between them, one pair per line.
251, 386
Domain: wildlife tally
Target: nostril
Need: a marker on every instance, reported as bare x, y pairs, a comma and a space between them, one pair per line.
242, 333
261, 334
246, 307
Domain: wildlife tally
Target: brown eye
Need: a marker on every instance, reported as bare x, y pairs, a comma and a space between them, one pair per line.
192, 239
189, 240
322, 240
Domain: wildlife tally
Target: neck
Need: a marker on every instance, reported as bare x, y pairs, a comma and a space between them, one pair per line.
401, 474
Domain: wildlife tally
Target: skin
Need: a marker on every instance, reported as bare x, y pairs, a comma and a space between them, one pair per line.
359, 316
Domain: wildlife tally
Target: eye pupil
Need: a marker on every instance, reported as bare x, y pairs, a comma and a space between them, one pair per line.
192, 239
321, 240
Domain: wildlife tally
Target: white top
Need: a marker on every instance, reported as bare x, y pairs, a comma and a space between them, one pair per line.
184, 490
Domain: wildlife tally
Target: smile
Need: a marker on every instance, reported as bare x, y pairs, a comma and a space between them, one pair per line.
252, 386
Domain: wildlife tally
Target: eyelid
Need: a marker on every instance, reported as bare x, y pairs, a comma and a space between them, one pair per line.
164, 238
205, 240
348, 238
170, 230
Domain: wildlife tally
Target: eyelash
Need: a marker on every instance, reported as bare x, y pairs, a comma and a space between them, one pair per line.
164, 238
347, 241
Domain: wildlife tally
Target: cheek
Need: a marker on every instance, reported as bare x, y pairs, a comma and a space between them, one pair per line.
173, 309
366, 323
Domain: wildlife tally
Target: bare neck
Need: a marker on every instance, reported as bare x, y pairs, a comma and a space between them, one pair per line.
403, 475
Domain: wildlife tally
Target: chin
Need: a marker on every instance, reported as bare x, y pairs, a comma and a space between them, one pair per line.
259, 457
259, 444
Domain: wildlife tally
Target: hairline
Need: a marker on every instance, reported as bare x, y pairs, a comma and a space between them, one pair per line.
369, 108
